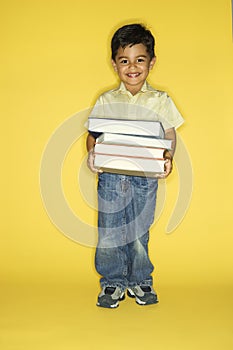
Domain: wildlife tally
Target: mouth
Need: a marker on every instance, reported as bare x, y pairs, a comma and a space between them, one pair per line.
133, 75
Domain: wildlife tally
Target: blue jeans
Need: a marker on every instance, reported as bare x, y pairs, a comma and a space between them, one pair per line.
126, 206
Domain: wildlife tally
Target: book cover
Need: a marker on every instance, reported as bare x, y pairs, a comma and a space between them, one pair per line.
146, 141
122, 126
129, 150
129, 165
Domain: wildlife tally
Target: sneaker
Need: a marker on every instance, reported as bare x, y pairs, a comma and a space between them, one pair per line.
144, 295
110, 297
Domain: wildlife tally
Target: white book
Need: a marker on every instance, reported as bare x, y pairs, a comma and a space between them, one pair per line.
129, 150
123, 126
110, 138
128, 165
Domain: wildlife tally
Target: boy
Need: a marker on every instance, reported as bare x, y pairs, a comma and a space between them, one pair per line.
126, 204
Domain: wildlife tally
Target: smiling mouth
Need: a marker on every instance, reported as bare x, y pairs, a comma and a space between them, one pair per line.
133, 75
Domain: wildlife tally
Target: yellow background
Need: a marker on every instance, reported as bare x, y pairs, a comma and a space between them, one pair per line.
55, 60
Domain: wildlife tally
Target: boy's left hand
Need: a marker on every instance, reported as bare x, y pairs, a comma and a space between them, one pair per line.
167, 169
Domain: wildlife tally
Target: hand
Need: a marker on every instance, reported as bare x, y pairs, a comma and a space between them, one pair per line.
167, 169
90, 162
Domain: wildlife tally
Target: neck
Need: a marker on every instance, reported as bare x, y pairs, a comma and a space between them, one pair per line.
134, 89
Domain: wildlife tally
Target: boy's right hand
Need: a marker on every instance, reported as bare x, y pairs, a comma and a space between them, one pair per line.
90, 162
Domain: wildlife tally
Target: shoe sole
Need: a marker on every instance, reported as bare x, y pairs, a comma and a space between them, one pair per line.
143, 303
112, 306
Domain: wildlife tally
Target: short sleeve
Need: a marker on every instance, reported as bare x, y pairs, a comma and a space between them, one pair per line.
96, 111
170, 117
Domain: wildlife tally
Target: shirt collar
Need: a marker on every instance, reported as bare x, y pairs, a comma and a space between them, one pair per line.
122, 89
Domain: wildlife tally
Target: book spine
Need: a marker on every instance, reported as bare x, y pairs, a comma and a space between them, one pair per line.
126, 156
132, 146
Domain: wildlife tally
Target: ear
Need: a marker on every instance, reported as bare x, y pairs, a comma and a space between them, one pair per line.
114, 65
152, 62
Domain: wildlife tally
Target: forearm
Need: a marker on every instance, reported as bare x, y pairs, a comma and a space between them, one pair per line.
90, 143
170, 134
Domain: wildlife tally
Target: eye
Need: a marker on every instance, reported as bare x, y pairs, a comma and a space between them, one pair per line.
139, 60
124, 61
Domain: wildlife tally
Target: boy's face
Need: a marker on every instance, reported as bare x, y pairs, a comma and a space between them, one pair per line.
133, 65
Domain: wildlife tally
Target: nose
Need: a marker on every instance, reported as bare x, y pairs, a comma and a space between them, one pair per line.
132, 65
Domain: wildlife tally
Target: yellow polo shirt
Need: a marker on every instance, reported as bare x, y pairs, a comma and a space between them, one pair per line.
148, 104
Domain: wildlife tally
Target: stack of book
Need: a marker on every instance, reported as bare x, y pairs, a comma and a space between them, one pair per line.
129, 146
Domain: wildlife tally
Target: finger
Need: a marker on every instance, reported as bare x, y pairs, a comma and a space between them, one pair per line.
92, 168
96, 171
158, 176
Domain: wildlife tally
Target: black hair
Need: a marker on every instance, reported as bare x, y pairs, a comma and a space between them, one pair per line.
130, 35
